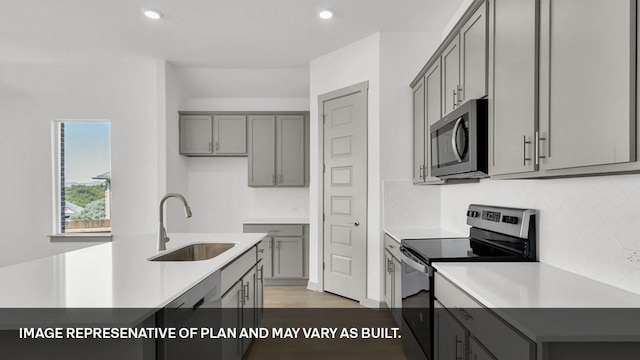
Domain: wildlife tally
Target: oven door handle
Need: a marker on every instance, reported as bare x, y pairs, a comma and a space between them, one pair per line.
414, 264
454, 140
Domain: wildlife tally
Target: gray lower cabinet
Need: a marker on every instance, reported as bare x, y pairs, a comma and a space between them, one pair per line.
393, 278
213, 135
288, 257
277, 150
464, 329
242, 300
285, 253
450, 338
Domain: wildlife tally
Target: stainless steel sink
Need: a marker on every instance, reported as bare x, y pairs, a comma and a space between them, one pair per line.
195, 252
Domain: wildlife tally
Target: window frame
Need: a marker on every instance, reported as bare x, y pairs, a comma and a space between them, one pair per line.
56, 232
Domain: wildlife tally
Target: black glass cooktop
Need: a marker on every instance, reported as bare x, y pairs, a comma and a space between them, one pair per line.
460, 249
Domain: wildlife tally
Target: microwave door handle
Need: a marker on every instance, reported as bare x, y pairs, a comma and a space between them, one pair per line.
454, 139
414, 264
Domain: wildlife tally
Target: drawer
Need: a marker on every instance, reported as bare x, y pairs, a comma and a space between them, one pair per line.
275, 229
487, 327
231, 273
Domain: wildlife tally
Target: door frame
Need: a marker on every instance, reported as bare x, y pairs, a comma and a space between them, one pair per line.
362, 87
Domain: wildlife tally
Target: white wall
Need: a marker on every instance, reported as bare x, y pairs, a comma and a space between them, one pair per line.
175, 174
585, 223
31, 96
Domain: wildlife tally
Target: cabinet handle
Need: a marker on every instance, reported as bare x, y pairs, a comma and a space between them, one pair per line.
217, 145
455, 99
422, 172
273, 179
538, 139
246, 291
261, 274
458, 342
464, 314
261, 251
524, 150
281, 178
390, 266
278, 245
210, 147
241, 295
459, 94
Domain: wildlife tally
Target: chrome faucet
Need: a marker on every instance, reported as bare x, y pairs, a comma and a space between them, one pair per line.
162, 232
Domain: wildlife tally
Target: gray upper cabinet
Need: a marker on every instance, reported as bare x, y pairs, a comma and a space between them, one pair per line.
513, 102
433, 112
451, 75
277, 152
230, 135
473, 56
290, 150
262, 155
588, 82
196, 135
419, 134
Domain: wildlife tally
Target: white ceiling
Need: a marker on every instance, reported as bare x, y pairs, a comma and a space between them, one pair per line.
203, 33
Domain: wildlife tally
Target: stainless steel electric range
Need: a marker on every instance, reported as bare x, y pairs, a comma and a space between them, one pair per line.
496, 234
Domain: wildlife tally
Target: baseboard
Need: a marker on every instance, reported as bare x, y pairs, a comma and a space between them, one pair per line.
313, 286
285, 282
373, 304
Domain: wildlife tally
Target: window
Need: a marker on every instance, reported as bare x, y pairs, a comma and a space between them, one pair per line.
82, 189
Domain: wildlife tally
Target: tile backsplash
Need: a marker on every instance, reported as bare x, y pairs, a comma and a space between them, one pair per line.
406, 205
585, 224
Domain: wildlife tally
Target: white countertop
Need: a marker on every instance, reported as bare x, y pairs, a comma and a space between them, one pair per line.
287, 221
506, 287
420, 233
115, 274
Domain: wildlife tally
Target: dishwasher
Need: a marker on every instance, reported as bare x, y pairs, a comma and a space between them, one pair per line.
199, 307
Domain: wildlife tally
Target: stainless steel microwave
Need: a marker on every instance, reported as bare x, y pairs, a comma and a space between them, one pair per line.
459, 142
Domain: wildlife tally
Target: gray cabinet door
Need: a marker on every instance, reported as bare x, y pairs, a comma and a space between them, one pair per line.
262, 149
290, 150
230, 135
196, 135
232, 318
419, 132
249, 305
473, 64
259, 292
479, 352
513, 104
388, 279
266, 249
433, 111
450, 76
288, 257
591, 83
450, 338
396, 298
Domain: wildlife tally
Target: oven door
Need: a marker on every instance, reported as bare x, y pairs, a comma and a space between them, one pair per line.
417, 302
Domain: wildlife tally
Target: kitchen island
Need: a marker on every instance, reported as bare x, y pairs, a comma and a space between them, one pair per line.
121, 286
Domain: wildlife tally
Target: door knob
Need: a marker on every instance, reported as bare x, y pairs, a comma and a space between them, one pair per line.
355, 223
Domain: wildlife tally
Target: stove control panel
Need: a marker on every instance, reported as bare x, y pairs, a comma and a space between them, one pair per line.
510, 221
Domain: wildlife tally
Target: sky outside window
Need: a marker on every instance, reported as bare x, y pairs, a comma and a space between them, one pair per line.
87, 150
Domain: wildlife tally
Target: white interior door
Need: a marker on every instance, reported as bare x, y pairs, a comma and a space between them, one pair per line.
345, 194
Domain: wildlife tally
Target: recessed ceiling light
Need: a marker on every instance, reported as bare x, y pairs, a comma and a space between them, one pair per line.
152, 14
325, 14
